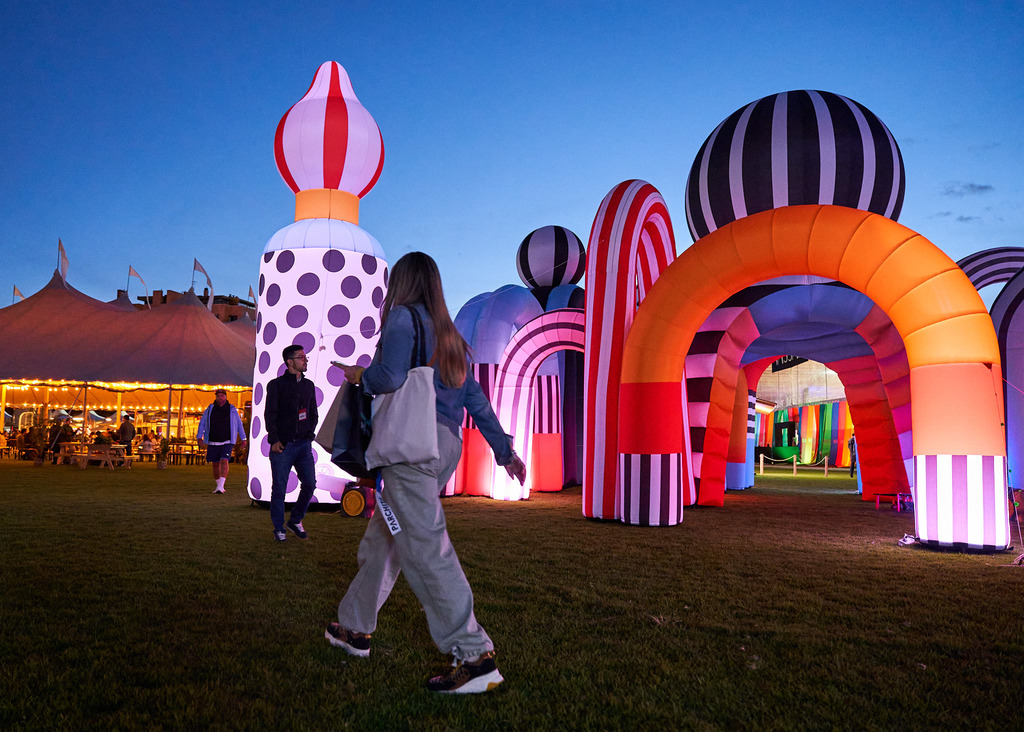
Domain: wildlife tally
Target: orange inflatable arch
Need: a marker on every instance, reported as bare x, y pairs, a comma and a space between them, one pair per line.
951, 346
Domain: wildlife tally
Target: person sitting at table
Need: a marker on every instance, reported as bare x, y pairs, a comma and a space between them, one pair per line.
27, 449
146, 447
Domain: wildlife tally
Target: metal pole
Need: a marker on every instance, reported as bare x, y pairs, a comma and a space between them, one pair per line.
794, 465
167, 432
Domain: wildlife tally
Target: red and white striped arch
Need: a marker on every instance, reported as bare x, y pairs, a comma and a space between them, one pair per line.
513, 398
631, 243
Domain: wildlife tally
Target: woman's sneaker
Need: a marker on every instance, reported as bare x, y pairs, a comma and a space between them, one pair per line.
355, 644
468, 678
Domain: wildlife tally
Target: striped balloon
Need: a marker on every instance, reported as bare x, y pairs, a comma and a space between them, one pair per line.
797, 147
328, 139
992, 266
551, 256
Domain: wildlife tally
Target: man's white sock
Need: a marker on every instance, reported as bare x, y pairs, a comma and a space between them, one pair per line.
220, 482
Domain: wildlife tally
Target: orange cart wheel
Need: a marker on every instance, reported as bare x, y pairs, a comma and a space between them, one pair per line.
353, 502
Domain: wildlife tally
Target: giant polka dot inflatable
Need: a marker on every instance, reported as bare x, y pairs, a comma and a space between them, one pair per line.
322, 278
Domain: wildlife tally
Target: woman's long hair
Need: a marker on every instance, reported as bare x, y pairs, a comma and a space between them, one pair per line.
415, 278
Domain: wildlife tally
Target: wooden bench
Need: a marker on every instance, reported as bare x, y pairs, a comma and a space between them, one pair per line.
106, 455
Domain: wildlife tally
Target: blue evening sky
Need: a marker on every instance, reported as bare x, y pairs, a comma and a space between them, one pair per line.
141, 133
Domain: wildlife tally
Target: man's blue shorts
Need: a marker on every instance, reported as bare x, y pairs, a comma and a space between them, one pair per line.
216, 453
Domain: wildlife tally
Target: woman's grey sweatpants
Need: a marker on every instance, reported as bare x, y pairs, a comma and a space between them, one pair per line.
423, 551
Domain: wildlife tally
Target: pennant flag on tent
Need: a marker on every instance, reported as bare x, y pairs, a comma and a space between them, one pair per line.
252, 295
133, 273
63, 261
17, 293
196, 267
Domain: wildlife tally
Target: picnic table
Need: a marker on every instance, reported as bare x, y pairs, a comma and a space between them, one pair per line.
109, 456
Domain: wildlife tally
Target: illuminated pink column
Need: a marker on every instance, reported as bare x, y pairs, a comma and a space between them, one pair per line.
322, 278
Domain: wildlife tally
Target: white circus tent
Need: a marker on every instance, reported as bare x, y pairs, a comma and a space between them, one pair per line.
60, 348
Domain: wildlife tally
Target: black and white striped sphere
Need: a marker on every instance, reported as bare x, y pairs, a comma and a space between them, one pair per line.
551, 256
797, 147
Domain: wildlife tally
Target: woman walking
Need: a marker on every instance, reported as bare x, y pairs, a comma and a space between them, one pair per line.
420, 547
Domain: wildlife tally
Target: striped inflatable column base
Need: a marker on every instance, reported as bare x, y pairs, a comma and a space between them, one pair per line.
546, 462
961, 501
652, 489
736, 476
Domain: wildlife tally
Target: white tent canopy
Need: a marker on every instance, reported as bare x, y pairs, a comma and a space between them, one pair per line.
64, 349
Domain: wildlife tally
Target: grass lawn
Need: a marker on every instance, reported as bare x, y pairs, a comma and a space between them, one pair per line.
137, 599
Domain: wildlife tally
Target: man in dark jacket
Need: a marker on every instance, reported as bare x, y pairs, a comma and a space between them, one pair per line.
291, 420
125, 434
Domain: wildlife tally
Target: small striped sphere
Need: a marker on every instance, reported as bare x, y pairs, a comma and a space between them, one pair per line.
328, 139
797, 147
551, 256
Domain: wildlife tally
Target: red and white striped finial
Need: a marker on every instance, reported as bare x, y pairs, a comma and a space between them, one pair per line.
328, 139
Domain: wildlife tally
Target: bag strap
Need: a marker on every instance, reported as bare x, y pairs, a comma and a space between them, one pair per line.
419, 349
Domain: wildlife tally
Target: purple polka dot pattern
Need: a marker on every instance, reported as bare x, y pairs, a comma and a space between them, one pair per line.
334, 260
338, 315
285, 261
308, 284
273, 295
351, 287
307, 341
259, 322
269, 333
345, 346
297, 316
328, 302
